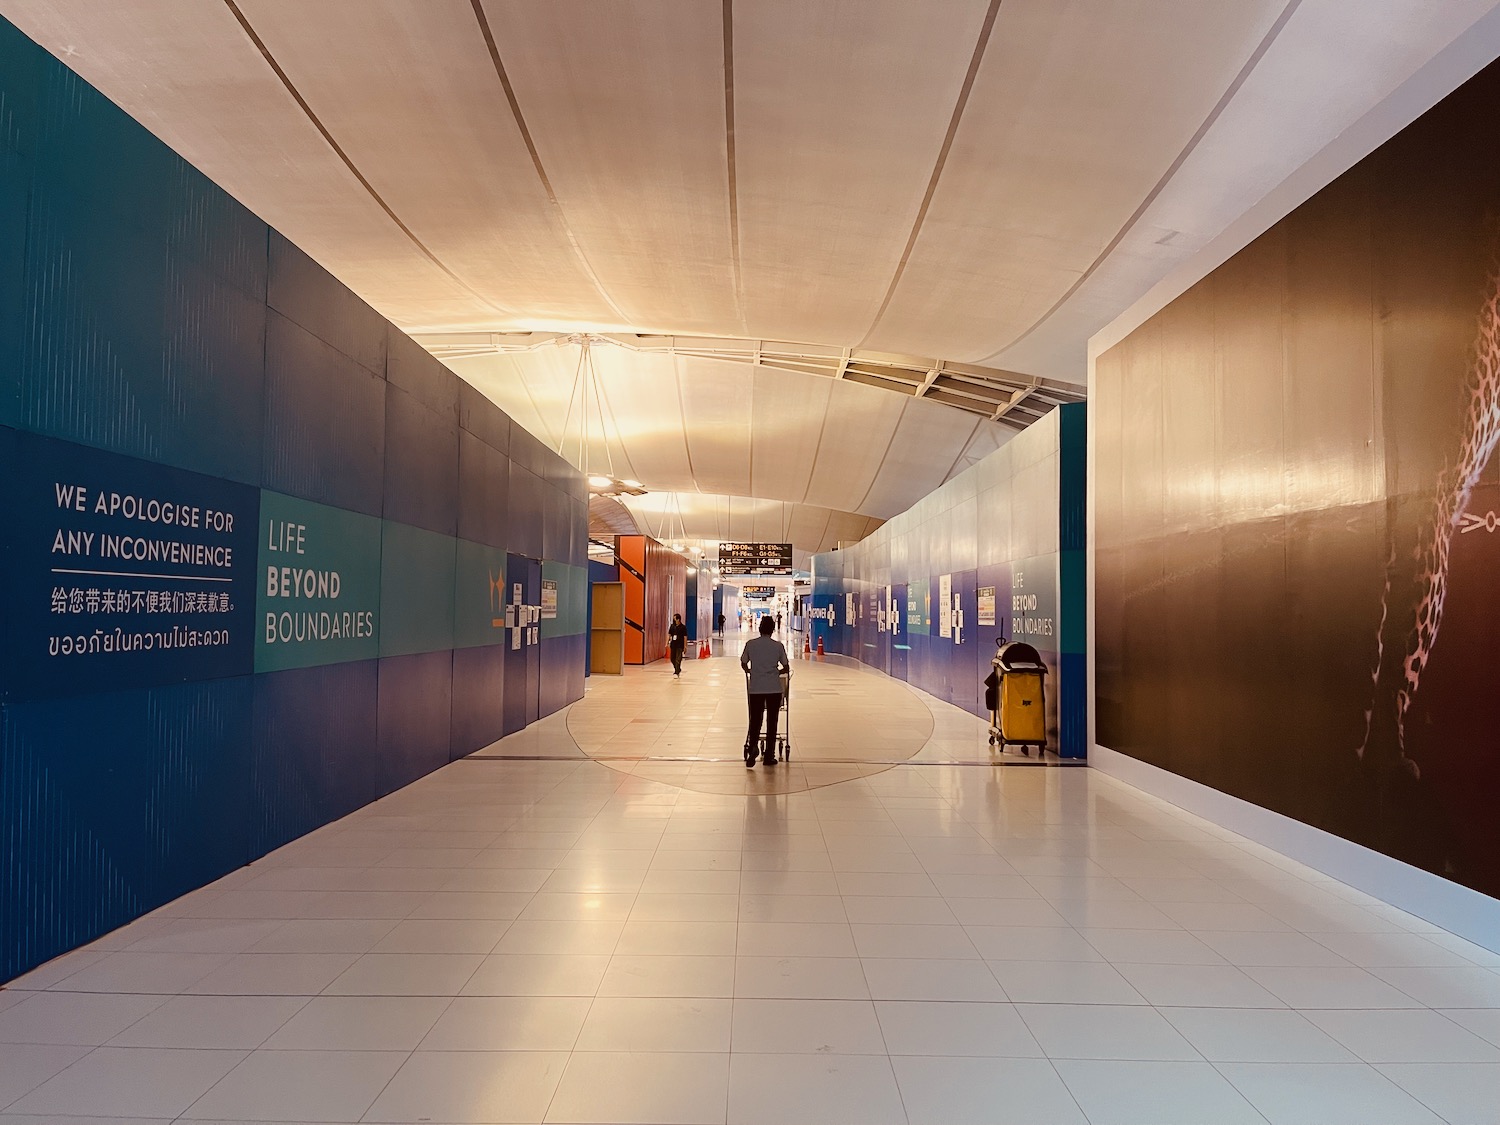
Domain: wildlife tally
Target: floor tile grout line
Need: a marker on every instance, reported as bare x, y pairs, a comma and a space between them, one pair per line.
593, 1000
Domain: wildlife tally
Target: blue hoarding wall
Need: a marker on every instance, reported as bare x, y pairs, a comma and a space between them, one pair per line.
251, 531
994, 553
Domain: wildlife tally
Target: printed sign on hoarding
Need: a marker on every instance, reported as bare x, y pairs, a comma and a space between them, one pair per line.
549, 598
1033, 602
986, 605
122, 572
318, 590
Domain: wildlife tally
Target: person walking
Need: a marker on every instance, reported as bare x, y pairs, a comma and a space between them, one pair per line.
764, 659
722, 619
778, 620
677, 634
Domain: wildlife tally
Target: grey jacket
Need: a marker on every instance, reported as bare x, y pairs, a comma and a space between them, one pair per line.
764, 658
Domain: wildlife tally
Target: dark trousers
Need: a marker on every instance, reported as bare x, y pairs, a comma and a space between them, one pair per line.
677, 651
764, 707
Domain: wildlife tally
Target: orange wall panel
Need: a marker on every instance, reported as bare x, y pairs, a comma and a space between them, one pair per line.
655, 580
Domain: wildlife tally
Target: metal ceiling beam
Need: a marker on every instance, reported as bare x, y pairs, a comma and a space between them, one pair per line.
1015, 401
959, 386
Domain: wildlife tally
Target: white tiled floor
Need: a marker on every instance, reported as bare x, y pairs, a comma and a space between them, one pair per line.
562, 941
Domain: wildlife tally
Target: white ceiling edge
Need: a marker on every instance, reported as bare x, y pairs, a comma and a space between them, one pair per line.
1449, 69
1181, 228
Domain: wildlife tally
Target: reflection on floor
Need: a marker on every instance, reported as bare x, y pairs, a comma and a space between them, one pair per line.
849, 722
559, 941
846, 722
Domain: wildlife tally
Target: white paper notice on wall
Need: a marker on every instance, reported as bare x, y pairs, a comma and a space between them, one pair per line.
945, 606
515, 639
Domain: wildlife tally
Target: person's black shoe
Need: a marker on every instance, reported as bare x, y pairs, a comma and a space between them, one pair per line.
749, 756
768, 760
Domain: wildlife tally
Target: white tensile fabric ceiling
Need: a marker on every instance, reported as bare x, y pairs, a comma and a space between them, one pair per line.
728, 448
978, 181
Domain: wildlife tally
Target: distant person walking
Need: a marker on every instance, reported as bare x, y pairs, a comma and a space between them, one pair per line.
722, 619
764, 659
778, 620
677, 633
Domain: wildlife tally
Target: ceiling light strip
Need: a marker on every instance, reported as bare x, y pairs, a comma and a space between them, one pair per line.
536, 159
942, 160
1208, 123
338, 151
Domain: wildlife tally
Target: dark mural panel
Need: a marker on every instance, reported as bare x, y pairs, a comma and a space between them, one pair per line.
483, 491
325, 421
94, 840
416, 371
416, 703
421, 463
1296, 551
314, 729
527, 498
88, 163
308, 295
482, 418
478, 698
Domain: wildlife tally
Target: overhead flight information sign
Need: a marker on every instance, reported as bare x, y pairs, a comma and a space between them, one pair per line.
758, 591
755, 558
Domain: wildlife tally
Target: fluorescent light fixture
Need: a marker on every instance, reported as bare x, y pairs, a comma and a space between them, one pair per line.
600, 482
632, 484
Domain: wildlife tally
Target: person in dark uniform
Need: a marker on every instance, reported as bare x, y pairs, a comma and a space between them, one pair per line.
677, 632
764, 659
722, 619
778, 620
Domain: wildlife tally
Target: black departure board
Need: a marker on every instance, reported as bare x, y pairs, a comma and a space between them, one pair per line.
755, 558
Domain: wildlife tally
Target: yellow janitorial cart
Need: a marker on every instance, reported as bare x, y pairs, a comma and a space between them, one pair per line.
1015, 693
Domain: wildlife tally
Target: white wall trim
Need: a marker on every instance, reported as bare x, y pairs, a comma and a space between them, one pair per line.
1445, 72
1442, 902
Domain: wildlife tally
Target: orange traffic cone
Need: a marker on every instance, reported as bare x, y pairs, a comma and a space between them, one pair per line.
807, 643
820, 646
703, 652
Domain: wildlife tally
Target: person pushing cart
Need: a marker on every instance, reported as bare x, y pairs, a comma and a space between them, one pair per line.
767, 669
